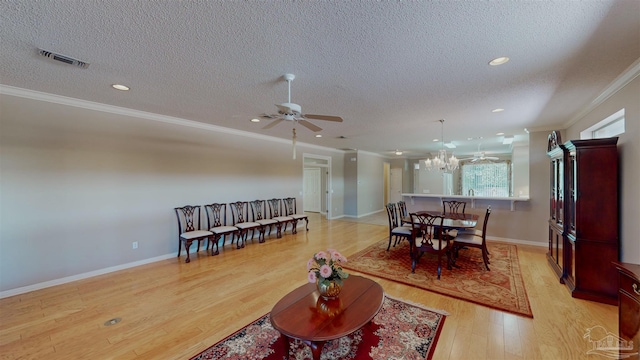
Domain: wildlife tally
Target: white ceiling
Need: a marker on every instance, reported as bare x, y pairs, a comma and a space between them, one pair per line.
390, 69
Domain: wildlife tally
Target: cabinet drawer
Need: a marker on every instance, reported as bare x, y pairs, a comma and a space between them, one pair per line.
630, 286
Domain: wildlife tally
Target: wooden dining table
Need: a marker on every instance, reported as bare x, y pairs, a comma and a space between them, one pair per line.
451, 221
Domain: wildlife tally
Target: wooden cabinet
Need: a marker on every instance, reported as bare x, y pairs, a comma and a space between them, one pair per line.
584, 212
555, 255
629, 310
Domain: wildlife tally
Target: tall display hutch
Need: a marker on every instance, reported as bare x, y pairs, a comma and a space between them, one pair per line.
585, 206
557, 153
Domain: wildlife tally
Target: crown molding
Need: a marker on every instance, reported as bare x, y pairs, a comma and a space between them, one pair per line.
116, 110
628, 75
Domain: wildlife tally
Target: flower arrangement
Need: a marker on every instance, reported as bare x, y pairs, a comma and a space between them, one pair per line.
325, 266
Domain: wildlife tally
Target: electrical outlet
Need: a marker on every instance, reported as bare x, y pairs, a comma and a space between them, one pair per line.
134, 244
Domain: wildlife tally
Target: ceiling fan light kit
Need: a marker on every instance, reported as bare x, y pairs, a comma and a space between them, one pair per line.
289, 111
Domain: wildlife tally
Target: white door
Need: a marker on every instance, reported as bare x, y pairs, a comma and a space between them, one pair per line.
312, 189
395, 188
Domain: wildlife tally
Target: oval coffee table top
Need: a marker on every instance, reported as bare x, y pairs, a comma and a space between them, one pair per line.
303, 314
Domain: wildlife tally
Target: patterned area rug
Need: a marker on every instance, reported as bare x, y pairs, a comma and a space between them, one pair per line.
501, 288
399, 331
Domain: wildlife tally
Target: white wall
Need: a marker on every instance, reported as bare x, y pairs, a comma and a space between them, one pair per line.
76, 194
370, 183
629, 162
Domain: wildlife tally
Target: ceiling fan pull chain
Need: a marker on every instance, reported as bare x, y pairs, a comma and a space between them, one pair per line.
294, 143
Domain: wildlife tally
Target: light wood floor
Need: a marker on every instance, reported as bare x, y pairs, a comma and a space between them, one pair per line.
173, 310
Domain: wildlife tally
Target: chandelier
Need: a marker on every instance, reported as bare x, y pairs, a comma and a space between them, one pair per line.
441, 162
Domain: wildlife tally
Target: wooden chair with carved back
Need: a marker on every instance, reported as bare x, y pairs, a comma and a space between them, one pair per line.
189, 228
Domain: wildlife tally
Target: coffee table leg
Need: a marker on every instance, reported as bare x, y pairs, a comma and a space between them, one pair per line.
286, 345
316, 349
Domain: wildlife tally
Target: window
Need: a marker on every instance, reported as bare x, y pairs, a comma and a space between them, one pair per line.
609, 127
489, 179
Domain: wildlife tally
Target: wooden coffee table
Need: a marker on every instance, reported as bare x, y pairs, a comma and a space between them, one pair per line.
304, 315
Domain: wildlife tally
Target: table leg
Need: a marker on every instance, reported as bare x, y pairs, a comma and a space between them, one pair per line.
286, 345
316, 349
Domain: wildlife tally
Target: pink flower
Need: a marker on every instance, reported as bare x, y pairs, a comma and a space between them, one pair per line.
321, 255
310, 264
312, 277
325, 271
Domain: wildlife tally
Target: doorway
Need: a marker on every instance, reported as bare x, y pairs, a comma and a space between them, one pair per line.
312, 196
317, 168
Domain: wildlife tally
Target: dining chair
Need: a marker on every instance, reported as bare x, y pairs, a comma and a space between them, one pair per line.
240, 216
258, 211
453, 207
396, 232
475, 240
290, 210
428, 238
403, 213
189, 228
275, 211
217, 224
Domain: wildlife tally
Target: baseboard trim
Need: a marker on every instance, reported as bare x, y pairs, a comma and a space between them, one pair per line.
519, 242
362, 215
68, 279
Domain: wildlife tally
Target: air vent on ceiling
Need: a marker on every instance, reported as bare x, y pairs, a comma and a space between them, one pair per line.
63, 58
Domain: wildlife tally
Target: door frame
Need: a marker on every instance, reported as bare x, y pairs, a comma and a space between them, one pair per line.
325, 164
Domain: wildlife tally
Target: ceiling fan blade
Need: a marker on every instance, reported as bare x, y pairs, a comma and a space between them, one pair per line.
269, 116
309, 125
323, 117
273, 123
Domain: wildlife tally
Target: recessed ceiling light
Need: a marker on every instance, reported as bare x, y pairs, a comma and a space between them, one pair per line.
120, 87
500, 133
497, 110
499, 61
318, 135
398, 152
436, 140
255, 120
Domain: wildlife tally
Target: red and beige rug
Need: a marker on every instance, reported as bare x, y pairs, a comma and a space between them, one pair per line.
399, 331
501, 288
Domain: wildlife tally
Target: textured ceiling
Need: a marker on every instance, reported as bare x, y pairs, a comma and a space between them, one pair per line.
390, 69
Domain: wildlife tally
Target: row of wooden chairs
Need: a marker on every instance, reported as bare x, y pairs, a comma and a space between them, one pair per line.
246, 216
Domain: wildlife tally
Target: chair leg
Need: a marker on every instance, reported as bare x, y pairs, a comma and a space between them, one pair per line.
307, 223
389, 246
216, 240
485, 257
294, 230
187, 245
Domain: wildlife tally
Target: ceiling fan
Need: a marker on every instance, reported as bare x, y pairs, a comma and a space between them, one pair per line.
293, 112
